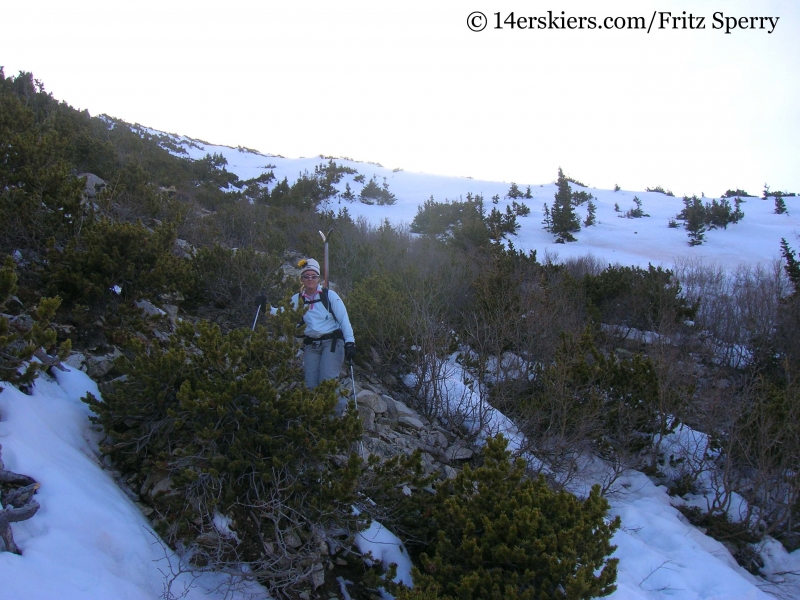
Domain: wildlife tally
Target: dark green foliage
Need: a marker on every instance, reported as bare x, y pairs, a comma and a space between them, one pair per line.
617, 188
767, 193
698, 216
737, 193
580, 197
347, 194
636, 213
528, 194
460, 222
23, 334
387, 331
500, 535
501, 224
660, 190
332, 172
589, 401
109, 254
521, 209
792, 266
514, 192
780, 205
591, 212
693, 215
39, 196
767, 437
547, 219
211, 170
372, 193
564, 220
231, 279
575, 181
225, 419
634, 297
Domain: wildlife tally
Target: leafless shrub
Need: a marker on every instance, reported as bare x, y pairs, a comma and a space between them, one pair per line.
737, 309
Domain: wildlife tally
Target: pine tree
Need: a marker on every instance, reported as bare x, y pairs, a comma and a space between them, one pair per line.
780, 204
348, 194
792, 266
547, 220
221, 422
499, 534
694, 217
565, 221
591, 211
514, 192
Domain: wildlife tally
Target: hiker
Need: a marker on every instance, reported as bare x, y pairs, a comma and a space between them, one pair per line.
328, 338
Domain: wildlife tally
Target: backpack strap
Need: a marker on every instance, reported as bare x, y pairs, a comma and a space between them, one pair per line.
323, 297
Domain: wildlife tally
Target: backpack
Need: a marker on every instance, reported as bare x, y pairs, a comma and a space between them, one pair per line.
323, 297
335, 335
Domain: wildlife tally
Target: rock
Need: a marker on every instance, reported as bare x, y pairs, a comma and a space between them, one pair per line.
172, 313
449, 472
76, 360
149, 308
94, 185
317, 575
367, 417
411, 421
458, 452
163, 486
437, 439
372, 400
99, 366
183, 249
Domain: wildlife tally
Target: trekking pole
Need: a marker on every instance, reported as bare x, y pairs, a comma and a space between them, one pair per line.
258, 307
353, 381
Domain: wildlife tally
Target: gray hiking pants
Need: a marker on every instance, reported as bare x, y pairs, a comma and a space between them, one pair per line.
320, 364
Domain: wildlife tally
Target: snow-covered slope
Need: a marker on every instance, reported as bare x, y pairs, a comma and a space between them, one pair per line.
614, 239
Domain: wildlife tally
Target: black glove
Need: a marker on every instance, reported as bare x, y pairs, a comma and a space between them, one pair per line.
261, 301
350, 350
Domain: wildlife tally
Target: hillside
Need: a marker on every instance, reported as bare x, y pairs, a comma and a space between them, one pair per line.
614, 239
662, 372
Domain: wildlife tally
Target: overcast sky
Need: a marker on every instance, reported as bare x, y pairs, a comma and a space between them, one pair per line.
409, 85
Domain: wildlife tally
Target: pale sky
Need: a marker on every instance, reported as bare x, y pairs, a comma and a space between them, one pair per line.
409, 85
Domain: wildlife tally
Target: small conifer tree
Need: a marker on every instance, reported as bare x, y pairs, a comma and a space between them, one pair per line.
347, 194
565, 221
547, 219
591, 211
514, 192
22, 338
499, 534
222, 423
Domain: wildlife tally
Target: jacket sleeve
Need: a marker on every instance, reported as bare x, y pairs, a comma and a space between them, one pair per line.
340, 312
274, 310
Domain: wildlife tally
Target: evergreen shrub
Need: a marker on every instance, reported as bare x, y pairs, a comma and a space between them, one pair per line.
108, 254
23, 334
243, 465
498, 534
646, 299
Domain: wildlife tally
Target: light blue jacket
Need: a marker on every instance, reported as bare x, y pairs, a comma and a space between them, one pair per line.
320, 321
